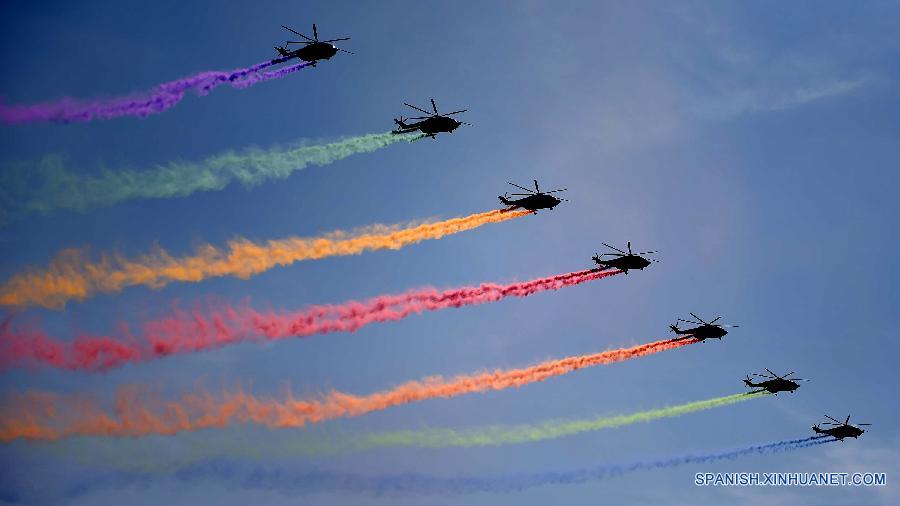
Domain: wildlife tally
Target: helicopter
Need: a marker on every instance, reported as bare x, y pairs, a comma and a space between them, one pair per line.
313, 49
433, 123
840, 430
705, 330
774, 383
622, 260
533, 200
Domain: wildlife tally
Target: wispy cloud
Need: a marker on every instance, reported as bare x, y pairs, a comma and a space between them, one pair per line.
777, 97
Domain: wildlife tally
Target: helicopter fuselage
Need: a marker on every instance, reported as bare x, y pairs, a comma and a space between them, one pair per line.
624, 263
311, 52
840, 432
533, 202
774, 385
429, 126
702, 333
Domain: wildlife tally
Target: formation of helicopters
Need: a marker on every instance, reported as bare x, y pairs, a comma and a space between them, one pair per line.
432, 123
313, 50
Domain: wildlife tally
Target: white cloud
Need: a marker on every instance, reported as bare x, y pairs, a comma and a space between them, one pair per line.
776, 97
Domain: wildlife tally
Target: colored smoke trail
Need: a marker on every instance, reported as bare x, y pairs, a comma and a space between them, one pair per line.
310, 445
289, 480
159, 99
47, 185
502, 435
224, 325
45, 416
73, 276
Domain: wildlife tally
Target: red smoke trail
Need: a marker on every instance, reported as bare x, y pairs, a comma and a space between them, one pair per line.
42, 415
222, 325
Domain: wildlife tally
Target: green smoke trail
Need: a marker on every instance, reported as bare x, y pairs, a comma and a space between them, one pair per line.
502, 435
47, 185
309, 444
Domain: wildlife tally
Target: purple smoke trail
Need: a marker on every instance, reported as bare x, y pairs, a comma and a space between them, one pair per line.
289, 480
159, 99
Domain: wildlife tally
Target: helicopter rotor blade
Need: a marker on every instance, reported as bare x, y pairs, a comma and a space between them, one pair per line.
416, 108
555, 191
464, 123
864, 424
299, 42
699, 319
315, 33
434, 106
770, 372
828, 417
847, 421
717, 318
629, 248
335, 40
536, 187
613, 247
297, 33
786, 375
521, 194
522, 187
454, 112
345, 51
646, 253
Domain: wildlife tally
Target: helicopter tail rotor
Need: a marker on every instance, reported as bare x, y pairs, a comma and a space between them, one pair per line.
283, 50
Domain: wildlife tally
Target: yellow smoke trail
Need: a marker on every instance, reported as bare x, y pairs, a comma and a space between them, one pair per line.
72, 276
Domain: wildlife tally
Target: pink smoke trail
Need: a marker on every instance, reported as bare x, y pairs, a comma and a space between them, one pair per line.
222, 325
159, 99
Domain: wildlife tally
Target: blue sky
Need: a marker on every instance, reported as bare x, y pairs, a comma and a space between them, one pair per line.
753, 144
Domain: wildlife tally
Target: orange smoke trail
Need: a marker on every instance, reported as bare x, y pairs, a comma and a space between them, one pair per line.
38, 415
71, 276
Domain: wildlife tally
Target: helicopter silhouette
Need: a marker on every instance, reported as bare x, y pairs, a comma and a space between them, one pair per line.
621, 260
840, 430
774, 383
534, 199
313, 49
704, 330
432, 124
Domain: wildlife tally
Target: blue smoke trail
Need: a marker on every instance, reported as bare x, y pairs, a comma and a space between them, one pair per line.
288, 481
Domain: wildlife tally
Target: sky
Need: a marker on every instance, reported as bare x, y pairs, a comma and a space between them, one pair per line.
752, 144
